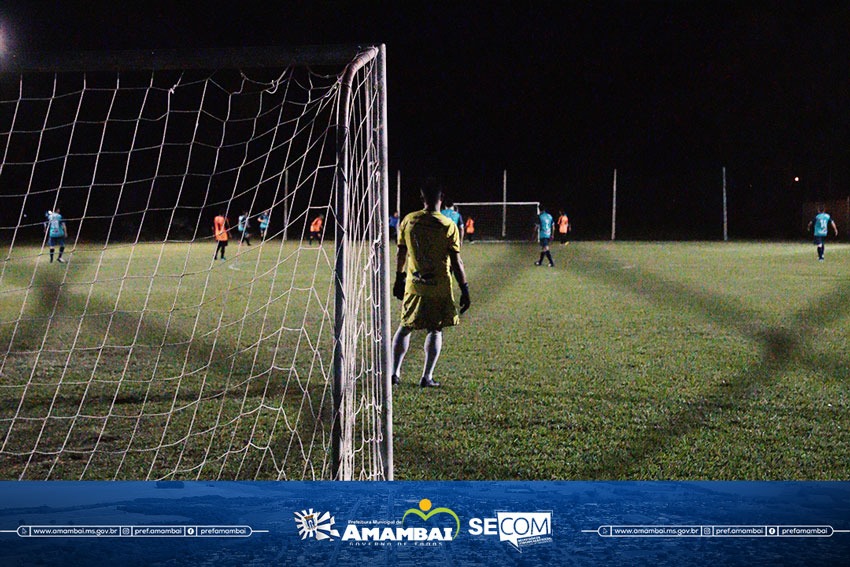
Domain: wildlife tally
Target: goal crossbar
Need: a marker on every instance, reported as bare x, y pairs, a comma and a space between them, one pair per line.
497, 203
176, 59
503, 235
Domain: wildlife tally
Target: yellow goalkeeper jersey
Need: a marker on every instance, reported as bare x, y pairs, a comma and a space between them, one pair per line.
429, 237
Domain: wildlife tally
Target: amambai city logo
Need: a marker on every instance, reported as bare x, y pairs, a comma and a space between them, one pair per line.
426, 513
318, 525
405, 530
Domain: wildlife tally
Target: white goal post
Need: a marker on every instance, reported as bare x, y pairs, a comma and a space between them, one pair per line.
502, 220
143, 345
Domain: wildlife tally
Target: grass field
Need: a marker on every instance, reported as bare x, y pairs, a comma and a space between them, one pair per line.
153, 361
639, 361
625, 361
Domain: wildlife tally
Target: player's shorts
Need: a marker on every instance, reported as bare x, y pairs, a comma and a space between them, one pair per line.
54, 241
544, 242
430, 313
819, 240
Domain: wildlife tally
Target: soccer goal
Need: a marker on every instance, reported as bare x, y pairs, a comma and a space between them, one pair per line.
141, 343
502, 220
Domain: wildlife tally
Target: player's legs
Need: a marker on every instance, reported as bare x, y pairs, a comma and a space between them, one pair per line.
220, 247
819, 242
53, 242
401, 342
433, 346
544, 253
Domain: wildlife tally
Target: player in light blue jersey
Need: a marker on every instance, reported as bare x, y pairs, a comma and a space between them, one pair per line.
264, 218
57, 231
821, 224
454, 216
243, 225
545, 223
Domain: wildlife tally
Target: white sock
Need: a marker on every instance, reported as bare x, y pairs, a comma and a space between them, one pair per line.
401, 342
433, 346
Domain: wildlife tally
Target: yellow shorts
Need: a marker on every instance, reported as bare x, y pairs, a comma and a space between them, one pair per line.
428, 313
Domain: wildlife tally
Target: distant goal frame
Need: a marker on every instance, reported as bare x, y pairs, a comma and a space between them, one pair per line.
504, 205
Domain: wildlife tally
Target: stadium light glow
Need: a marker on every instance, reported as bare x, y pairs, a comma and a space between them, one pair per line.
5, 39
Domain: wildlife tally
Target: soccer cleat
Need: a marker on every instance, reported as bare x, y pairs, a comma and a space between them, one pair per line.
428, 383
395, 380
537, 263
60, 260
551, 265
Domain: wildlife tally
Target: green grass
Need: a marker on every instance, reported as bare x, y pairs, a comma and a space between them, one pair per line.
638, 361
625, 361
155, 362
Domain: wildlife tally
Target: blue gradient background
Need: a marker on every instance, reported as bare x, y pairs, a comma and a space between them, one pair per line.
577, 509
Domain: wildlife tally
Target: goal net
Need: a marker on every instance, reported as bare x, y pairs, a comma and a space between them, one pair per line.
512, 221
133, 343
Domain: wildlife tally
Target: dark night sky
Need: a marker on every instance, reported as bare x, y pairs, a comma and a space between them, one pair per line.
557, 93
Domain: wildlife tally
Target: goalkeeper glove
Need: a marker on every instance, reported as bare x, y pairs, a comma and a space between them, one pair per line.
398, 286
464, 297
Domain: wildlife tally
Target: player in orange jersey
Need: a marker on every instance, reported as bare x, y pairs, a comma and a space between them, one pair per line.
316, 228
563, 223
220, 228
470, 229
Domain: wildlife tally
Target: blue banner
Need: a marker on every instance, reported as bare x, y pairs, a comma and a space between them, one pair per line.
424, 523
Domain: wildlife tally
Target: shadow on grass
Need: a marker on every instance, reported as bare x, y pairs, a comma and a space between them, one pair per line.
781, 348
95, 411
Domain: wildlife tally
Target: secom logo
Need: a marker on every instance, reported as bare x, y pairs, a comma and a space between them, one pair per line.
520, 529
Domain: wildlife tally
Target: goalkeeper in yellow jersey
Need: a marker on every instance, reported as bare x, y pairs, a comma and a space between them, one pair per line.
428, 254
